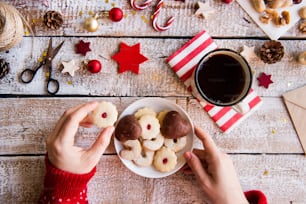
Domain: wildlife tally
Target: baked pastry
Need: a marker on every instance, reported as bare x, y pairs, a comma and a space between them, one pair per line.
165, 160
104, 115
153, 144
176, 144
145, 159
175, 126
150, 126
128, 128
132, 150
144, 111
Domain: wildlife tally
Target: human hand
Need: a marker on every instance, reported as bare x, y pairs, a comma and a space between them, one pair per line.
215, 172
60, 143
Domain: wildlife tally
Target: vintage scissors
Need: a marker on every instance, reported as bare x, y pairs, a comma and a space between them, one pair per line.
28, 75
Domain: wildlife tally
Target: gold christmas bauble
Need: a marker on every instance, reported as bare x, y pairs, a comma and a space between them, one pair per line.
302, 58
91, 24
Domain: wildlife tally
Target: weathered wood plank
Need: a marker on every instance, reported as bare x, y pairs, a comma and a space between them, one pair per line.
228, 19
25, 123
278, 176
155, 78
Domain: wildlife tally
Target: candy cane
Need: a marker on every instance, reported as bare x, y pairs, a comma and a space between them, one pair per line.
142, 6
155, 15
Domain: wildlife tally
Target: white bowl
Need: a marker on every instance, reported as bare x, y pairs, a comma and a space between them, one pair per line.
158, 105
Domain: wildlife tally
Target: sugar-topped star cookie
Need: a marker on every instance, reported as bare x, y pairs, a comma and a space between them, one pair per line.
248, 52
204, 10
70, 67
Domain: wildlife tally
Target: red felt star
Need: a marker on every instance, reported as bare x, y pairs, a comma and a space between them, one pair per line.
264, 80
129, 58
82, 47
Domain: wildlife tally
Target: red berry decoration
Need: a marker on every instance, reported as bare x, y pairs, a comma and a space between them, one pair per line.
94, 66
227, 1
115, 14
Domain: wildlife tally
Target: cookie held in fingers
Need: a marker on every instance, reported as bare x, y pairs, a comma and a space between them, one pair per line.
104, 115
128, 128
175, 126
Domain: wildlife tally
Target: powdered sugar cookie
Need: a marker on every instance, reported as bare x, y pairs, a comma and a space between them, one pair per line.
176, 144
145, 159
153, 144
144, 111
132, 150
150, 126
104, 115
164, 160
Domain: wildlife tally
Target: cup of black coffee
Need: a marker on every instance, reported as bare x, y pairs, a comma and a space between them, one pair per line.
223, 78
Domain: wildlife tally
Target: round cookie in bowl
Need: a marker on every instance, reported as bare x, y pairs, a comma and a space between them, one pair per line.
156, 105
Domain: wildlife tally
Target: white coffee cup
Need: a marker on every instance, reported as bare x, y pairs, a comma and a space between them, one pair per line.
223, 78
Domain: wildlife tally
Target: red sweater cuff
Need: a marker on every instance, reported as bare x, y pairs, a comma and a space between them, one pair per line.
61, 186
256, 197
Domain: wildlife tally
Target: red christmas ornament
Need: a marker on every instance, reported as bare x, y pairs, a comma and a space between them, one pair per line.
129, 58
264, 80
82, 47
94, 66
227, 1
115, 14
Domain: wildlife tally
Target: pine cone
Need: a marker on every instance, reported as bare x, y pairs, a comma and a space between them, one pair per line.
4, 68
53, 20
271, 52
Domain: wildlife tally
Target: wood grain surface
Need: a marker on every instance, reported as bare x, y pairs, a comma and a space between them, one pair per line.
265, 149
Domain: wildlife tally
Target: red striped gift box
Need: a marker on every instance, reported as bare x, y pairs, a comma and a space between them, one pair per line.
184, 61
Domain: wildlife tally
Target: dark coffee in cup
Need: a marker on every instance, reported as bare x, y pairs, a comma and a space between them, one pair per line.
223, 77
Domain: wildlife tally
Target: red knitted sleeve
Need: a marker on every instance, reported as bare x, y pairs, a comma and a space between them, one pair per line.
64, 187
256, 197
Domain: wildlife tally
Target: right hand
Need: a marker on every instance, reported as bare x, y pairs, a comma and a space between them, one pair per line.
215, 172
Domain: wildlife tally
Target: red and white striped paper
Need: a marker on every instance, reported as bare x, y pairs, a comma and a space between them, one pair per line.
184, 61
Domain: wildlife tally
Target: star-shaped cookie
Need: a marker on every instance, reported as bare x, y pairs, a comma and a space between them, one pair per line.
129, 58
248, 52
204, 10
82, 47
264, 80
70, 67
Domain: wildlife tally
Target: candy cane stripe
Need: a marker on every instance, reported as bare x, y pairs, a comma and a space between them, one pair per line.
141, 6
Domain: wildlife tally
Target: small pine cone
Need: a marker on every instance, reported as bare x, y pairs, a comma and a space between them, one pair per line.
53, 20
271, 52
4, 68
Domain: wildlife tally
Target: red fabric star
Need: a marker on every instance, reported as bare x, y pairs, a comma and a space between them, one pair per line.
129, 58
82, 47
264, 80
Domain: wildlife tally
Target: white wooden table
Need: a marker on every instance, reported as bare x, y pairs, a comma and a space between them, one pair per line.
265, 147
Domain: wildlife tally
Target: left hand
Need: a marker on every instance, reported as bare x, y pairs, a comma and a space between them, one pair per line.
60, 143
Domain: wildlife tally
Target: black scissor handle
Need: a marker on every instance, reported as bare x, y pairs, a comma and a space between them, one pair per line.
52, 86
27, 75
